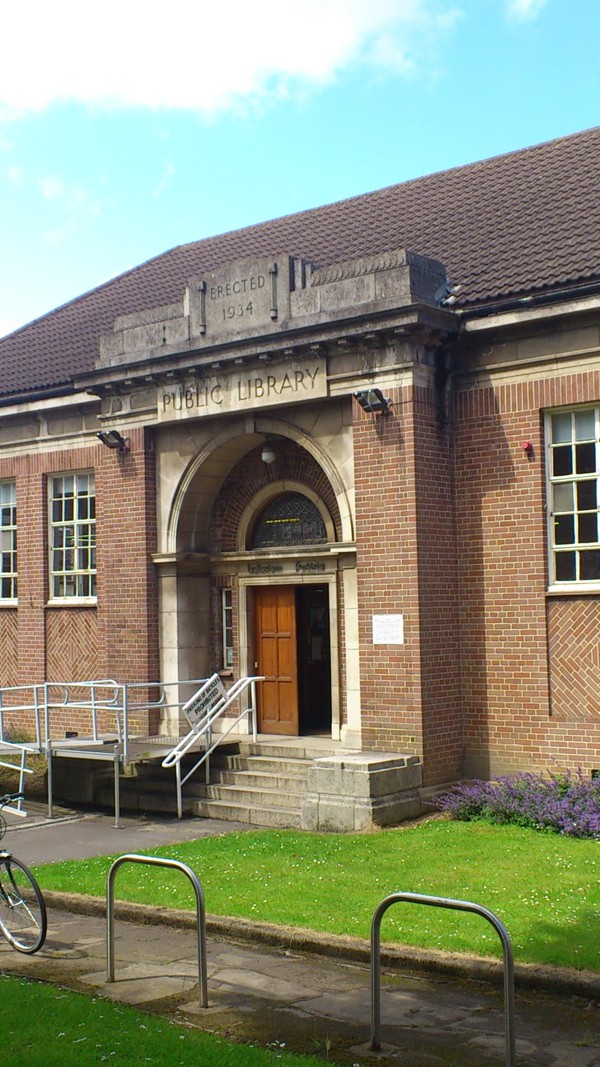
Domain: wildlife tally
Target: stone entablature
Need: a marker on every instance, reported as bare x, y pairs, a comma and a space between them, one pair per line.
244, 389
257, 298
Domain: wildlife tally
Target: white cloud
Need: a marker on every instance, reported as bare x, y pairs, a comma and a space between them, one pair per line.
524, 10
200, 56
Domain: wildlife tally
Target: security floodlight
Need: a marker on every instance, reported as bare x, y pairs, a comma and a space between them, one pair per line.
113, 439
373, 401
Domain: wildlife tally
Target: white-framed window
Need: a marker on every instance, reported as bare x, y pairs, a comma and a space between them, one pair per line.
573, 441
8, 541
72, 505
227, 625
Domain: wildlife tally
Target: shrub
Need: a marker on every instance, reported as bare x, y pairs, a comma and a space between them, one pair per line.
564, 803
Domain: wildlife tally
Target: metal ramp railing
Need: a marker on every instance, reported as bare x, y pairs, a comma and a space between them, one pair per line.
44, 708
111, 707
203, 710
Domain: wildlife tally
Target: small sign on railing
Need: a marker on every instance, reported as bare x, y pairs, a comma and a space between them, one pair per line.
205, 700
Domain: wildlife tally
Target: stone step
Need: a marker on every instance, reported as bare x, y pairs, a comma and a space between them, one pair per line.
297, 768
302, 749
265, 779
241, 794
220, 809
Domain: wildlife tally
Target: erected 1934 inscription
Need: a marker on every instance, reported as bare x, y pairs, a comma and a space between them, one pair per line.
240, 298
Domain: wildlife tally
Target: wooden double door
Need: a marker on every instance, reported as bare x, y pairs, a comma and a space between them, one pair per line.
293, 655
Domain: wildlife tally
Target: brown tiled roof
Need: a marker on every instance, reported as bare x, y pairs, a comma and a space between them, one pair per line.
516, 224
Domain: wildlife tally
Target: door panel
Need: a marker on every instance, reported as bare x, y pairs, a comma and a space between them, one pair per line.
275, 615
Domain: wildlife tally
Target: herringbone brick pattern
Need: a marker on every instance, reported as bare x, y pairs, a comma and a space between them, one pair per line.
574, 639
72, 645
9, 654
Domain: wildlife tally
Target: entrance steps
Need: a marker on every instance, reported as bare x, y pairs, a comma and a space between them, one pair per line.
259, 783
262, 783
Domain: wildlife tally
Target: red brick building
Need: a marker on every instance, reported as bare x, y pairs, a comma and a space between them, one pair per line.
362, 458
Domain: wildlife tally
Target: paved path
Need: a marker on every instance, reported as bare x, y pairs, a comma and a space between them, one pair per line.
276, 993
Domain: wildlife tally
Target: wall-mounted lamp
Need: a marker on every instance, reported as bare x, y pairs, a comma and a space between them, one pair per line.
373, 401
113, 439
268, 455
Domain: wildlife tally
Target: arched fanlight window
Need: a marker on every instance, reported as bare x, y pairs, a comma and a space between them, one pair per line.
289, 519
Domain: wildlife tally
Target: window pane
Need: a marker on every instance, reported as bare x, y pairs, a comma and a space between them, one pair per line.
565, 566
589, 566
586, 495
588, 529
562, 461
585, 459
563, 496
561, 427
564, 530
585, 426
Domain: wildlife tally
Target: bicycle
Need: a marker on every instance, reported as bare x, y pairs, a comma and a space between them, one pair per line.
23, 920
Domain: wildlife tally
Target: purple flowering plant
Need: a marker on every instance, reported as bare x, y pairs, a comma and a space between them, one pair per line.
565, 803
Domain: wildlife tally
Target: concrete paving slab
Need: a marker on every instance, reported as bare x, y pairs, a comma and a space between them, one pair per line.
141, 984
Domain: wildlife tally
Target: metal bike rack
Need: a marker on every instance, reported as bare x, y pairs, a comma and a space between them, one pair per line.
157, 861
457, 905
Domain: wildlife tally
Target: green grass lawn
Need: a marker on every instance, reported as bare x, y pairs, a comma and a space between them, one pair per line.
45, 1026
544, 887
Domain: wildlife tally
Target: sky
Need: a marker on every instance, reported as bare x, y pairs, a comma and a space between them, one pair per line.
127, 128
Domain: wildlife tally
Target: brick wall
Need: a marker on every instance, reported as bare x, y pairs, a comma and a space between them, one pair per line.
118, 637
407, 564
438, 591
529, 669
387, 574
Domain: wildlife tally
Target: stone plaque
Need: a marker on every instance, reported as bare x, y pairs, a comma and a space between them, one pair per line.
241, 298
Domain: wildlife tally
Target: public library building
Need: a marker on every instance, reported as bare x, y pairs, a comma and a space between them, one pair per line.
354, 451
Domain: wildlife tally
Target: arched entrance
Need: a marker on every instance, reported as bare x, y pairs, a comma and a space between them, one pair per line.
228, 570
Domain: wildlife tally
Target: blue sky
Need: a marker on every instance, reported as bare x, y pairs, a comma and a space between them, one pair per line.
124, 132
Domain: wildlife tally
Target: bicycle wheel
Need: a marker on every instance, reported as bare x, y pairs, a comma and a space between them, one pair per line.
22, 910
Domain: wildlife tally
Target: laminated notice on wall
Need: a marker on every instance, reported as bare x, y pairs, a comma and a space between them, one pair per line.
388, 629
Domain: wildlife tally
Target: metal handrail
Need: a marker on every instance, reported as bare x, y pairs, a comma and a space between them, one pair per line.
203, 730
87, 695
17, 808
157, 861
457, 905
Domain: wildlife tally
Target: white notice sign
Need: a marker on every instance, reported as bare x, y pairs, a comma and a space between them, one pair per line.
388, 629
203, 702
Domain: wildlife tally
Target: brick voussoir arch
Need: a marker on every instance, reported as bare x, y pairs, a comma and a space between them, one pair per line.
319, 474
